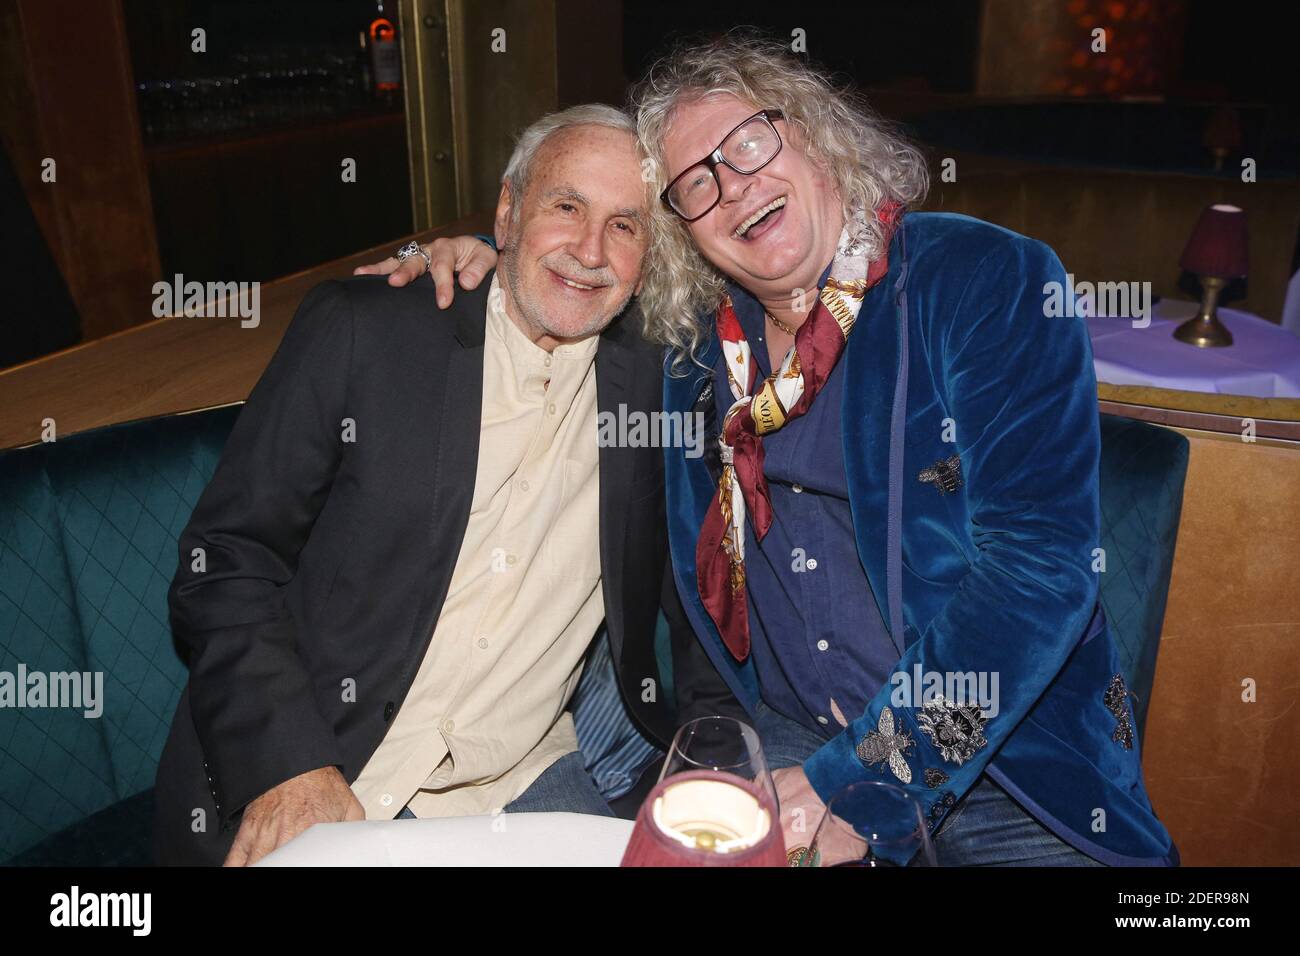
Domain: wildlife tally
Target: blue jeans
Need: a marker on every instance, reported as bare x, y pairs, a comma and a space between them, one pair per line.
986, 827
564, 786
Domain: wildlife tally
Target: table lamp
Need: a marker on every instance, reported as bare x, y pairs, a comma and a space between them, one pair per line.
706, 818
1222, 135
1216, 252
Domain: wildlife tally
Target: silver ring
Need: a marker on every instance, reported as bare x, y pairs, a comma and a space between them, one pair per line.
413, 249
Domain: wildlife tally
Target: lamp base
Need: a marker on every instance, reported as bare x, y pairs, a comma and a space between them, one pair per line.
1205, 332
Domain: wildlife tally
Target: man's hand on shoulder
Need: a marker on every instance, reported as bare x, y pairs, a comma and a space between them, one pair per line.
283, 812
459, 254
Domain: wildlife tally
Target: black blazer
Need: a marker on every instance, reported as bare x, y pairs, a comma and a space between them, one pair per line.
327, 560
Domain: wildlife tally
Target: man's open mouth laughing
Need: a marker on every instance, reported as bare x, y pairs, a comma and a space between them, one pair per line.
760, 221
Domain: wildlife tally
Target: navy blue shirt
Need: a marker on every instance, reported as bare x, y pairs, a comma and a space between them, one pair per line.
816, 634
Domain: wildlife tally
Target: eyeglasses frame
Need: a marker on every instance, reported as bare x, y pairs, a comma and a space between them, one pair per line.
716, 159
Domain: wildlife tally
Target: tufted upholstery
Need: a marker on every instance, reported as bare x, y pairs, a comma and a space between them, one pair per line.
1141, 476
88, 529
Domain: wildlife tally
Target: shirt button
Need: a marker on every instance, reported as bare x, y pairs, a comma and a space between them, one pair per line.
523, 485
822, 720
812, 564
449, 725
482, 642
547, 361
797, 488
386, 800
551, 408
822, 645
511, 559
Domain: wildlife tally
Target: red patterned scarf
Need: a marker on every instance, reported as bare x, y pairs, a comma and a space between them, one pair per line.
782, 397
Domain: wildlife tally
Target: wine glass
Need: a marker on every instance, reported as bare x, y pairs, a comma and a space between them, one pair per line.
707, 753
854, 832
720, 745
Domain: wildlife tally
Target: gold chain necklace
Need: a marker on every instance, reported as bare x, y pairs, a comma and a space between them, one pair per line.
781, 325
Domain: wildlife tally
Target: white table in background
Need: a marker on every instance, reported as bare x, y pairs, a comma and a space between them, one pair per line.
1263, 361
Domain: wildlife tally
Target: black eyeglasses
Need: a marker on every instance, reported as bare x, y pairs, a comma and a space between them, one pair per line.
746, 149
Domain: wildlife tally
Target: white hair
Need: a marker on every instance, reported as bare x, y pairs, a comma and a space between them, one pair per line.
519, 168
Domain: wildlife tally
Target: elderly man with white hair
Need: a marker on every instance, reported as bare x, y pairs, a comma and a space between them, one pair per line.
389, 588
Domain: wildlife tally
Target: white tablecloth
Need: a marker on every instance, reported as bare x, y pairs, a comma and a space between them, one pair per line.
507, 839
1263, 360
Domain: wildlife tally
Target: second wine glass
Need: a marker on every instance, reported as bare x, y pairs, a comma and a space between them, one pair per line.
871, 824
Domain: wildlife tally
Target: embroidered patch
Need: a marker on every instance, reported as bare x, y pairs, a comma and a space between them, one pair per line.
883, 746
1116, 701
940, 807
944, 474
935, 778
956, 730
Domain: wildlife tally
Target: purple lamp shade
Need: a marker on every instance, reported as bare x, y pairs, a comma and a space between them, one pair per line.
1223, 131
1217, 246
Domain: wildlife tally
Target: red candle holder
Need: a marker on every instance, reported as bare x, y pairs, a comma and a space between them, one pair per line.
706, 818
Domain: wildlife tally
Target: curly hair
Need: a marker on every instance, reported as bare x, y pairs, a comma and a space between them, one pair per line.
868, 158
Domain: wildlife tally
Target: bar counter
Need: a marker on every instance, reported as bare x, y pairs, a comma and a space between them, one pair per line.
167, 366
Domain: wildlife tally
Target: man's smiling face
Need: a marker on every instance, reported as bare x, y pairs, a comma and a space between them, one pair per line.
789, 246
571, 251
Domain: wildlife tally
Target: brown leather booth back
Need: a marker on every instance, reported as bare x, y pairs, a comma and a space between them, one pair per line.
1110, 226
1221, 752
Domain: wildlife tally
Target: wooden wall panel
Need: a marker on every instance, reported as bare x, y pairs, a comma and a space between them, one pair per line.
1224, 775
1119, 225
497, 94
70, 97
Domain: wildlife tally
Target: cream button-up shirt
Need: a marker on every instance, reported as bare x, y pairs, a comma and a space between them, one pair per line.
485, 714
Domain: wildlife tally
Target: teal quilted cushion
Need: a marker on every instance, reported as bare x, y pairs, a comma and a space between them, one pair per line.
88, 529
1141, 477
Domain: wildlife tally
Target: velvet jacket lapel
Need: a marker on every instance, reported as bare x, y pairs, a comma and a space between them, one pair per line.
874, 398
690, 489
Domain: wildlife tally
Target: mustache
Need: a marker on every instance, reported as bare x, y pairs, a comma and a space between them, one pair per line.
568, 266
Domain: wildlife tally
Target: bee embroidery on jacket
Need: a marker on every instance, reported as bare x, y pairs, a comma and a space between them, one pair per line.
944, 474
884, 746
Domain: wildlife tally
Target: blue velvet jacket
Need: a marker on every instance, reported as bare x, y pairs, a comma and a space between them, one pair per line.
993, 576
